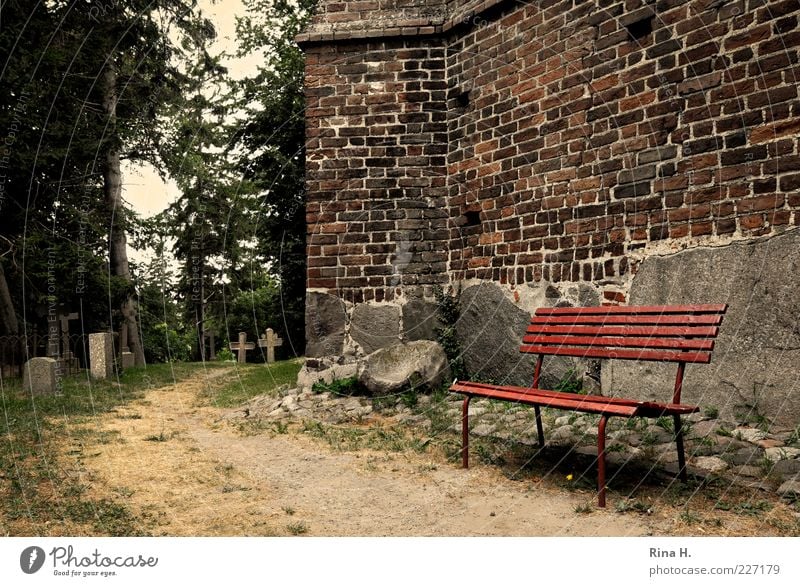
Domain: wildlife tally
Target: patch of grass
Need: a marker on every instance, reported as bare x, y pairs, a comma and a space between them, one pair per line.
570, 383
689, 517
711, 412
410, 398
39, 497
666, 424
299, 528
161, 437
349, 439
253, 380
753, 509
343, 387
584, 508
288, 510
633, 506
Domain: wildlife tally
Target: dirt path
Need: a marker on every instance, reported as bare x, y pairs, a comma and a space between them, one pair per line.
186, 471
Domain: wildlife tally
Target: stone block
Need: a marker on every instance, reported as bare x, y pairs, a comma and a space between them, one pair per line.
420, 320
375, 326
326, 317
101, 355
127, 360
754, 367
40, 376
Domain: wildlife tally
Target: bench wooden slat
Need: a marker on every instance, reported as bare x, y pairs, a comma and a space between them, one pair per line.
682, 319
555, 402
475, 388
563, 400
629, 354
647, 331
463, 386
641, 309
625, 341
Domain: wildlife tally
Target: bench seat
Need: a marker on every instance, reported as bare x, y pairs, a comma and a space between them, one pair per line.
682, 334
572, 401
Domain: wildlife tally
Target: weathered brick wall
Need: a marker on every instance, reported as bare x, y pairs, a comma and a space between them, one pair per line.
591, 130
376, 167
552, 144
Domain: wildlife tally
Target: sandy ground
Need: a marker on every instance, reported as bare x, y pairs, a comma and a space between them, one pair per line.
186, 471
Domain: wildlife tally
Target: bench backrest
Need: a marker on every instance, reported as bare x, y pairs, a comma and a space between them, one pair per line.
673, 333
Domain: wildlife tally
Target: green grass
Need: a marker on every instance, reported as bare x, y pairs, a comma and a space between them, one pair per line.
255, 379
37, 496
343, 387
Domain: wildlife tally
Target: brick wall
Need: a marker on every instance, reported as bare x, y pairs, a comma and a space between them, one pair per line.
376, 167
543, 142
592, 130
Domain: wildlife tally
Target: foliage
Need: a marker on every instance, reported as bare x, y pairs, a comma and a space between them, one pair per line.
569, 383
341, 386
448, 310
272, 146
55, 223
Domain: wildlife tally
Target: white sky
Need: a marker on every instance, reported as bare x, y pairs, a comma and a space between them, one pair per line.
142, 188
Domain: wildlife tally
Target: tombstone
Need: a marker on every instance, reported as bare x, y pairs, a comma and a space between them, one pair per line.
101, 355
128, 360
242, 346
67, 361
270, 341
40, 376
126, 357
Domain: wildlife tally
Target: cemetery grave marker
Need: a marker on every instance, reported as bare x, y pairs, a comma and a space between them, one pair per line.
242, 346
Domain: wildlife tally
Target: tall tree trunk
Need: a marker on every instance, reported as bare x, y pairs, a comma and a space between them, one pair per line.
9, 326
117, 239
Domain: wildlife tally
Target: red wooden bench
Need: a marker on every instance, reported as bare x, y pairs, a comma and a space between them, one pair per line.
670, 333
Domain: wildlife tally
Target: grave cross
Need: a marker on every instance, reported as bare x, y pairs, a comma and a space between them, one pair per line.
242, 346
270, 341
64, 320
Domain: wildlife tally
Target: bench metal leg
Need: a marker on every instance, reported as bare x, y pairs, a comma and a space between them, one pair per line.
465, 433
679, 442
601, 461
539, 429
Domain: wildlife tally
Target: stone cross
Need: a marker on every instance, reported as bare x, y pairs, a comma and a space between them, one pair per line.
64, 320
270, 341
242, 346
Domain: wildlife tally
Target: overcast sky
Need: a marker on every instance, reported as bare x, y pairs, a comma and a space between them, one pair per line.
142, 187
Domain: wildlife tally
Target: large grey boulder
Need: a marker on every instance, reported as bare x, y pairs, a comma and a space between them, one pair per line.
490, 329
420, 320
420, 364
375, 326
326, 316
755, 366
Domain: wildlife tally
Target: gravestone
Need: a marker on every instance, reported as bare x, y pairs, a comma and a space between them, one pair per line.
128, 360
67, 361
126, 357
270, 341
101, 355
242, 346
40, 376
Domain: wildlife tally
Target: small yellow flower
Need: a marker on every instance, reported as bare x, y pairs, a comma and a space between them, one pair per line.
569, 476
